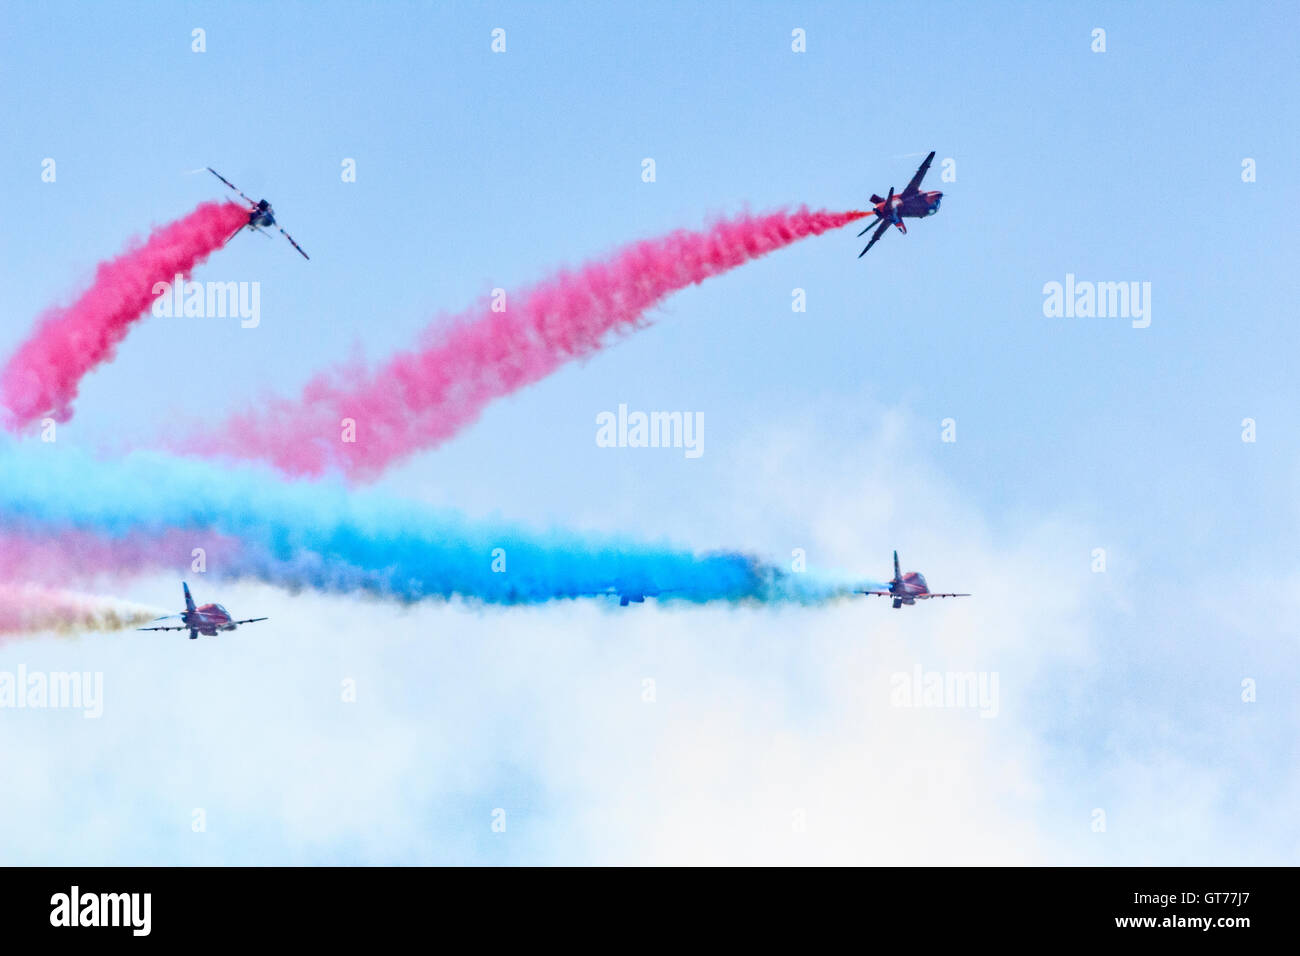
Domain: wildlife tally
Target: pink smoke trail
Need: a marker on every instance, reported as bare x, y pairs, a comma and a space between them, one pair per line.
37, 556
43, 375
31, 609
36, 567
422, 397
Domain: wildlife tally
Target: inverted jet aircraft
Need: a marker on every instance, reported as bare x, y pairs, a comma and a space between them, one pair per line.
260, 215
908, 588
911, 203
207, 619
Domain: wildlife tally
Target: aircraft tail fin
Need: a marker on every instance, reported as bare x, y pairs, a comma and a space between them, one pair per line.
898, 575
189, 599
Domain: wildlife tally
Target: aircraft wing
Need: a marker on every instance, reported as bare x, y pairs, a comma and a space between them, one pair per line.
183, 627
251, 620
294, 244
880, 231
915, 185
648, 590
627, 595
881, 593
939, 595
232, 186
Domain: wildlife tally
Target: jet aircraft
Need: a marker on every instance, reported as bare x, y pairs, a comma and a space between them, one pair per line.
908, 588
911, 203
207, 619
260, 215
629, 592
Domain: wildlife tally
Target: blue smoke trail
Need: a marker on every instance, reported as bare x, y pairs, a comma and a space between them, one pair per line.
322, 536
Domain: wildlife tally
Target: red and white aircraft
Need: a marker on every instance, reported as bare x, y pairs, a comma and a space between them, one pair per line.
908, 588
911, 203
207, 620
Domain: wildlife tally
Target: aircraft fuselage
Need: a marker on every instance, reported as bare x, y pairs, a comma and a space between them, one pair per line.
208, 619
262, 215
916, 206
908, 587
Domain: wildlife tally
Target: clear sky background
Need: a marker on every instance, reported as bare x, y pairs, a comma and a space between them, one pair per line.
1119, 691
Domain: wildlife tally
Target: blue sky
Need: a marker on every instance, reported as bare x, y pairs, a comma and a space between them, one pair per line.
477, 170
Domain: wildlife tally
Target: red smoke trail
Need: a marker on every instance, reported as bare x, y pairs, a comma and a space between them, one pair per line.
420, 398
42, 377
